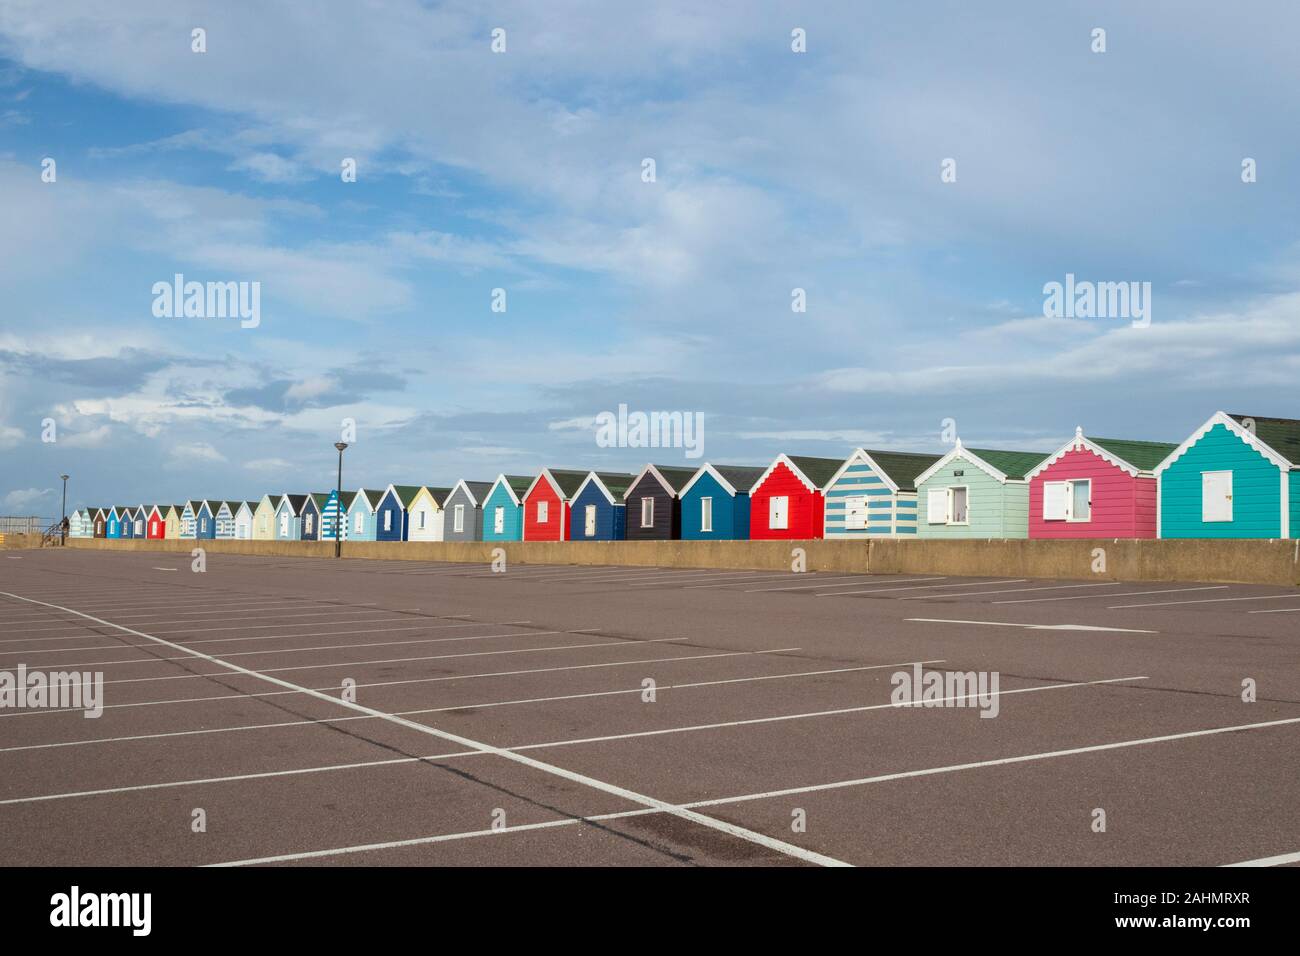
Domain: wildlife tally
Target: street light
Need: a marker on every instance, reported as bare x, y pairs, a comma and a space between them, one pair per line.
63, 523
338, 503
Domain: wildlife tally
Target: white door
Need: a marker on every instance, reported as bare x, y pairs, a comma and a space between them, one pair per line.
1216, 496
778, 513
284, 524
589, 521
499, 520
855, 512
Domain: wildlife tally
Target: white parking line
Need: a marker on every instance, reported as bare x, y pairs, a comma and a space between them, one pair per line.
640, 662
730, 829
926, 587
858, 580
1081, 597
313, 666
753, 576
575, 741
280, 650
1054, 587
1280, 860
1265, 597
1276, 610
1032, 627
475, 706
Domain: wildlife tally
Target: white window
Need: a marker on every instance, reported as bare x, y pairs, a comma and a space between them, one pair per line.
1067, 500
308, 524
499, 520
855, 512
1080, 500
778, 512
647, 512
936, 506
459, 523
358, 523
957, 498
589, 521
421, 519
706, 514
203, 524
543, 512
388, 520
284, 524
1056, 500
139, 526
1216, 496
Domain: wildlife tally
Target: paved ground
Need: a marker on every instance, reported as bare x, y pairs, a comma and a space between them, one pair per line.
520, 699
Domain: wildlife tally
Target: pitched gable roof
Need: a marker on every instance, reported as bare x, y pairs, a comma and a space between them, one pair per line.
612, 484
671, 478
477, 491
516, 486
1280, 434
564, 481
405, 494
1013, 464
1143, 455
295, 503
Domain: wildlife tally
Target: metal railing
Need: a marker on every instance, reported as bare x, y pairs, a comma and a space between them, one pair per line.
25, 525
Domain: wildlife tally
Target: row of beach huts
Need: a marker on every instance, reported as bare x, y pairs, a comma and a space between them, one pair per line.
1229, 479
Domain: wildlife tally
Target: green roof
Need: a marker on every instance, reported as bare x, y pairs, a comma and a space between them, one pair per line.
817, 470
1280, 434
1143, 455
480, 489
902, 467
740, 477
569, 480
677, 477
1013, 464
616, 482
518, 484
439, 495
406, 494
347, 498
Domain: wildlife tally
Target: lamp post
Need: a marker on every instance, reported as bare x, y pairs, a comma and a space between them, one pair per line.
338, 503
63, 522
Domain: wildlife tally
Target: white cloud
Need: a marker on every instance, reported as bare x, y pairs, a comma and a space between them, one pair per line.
27, 498
195, 451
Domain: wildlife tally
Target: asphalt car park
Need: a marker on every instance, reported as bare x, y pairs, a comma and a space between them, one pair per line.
284, 710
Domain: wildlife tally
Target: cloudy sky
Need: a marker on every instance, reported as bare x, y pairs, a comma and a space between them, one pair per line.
523, 171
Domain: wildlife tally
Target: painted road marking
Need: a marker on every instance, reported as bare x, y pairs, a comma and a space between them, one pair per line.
1266, 597
731, 829
1032, 627
642, 662
1054, 587
1080, 597
478, 706
547, 745
771, 794
859, 580
1270, 860
927, 587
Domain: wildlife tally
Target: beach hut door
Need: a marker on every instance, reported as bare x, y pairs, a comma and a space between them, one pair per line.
1216, 496
499, 520
589, 521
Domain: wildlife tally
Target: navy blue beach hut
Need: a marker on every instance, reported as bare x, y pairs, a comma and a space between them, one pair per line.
597, 512
205, 519
390, 517
311, 515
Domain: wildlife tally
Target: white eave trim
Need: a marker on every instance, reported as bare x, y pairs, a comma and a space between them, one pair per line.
1078, 442
860, 456
600, 485
504, 482
550, 480
965, 454
704, 469
784, 459
658, 476
1230, 423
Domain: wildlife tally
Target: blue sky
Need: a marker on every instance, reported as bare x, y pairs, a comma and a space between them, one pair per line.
522, 171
